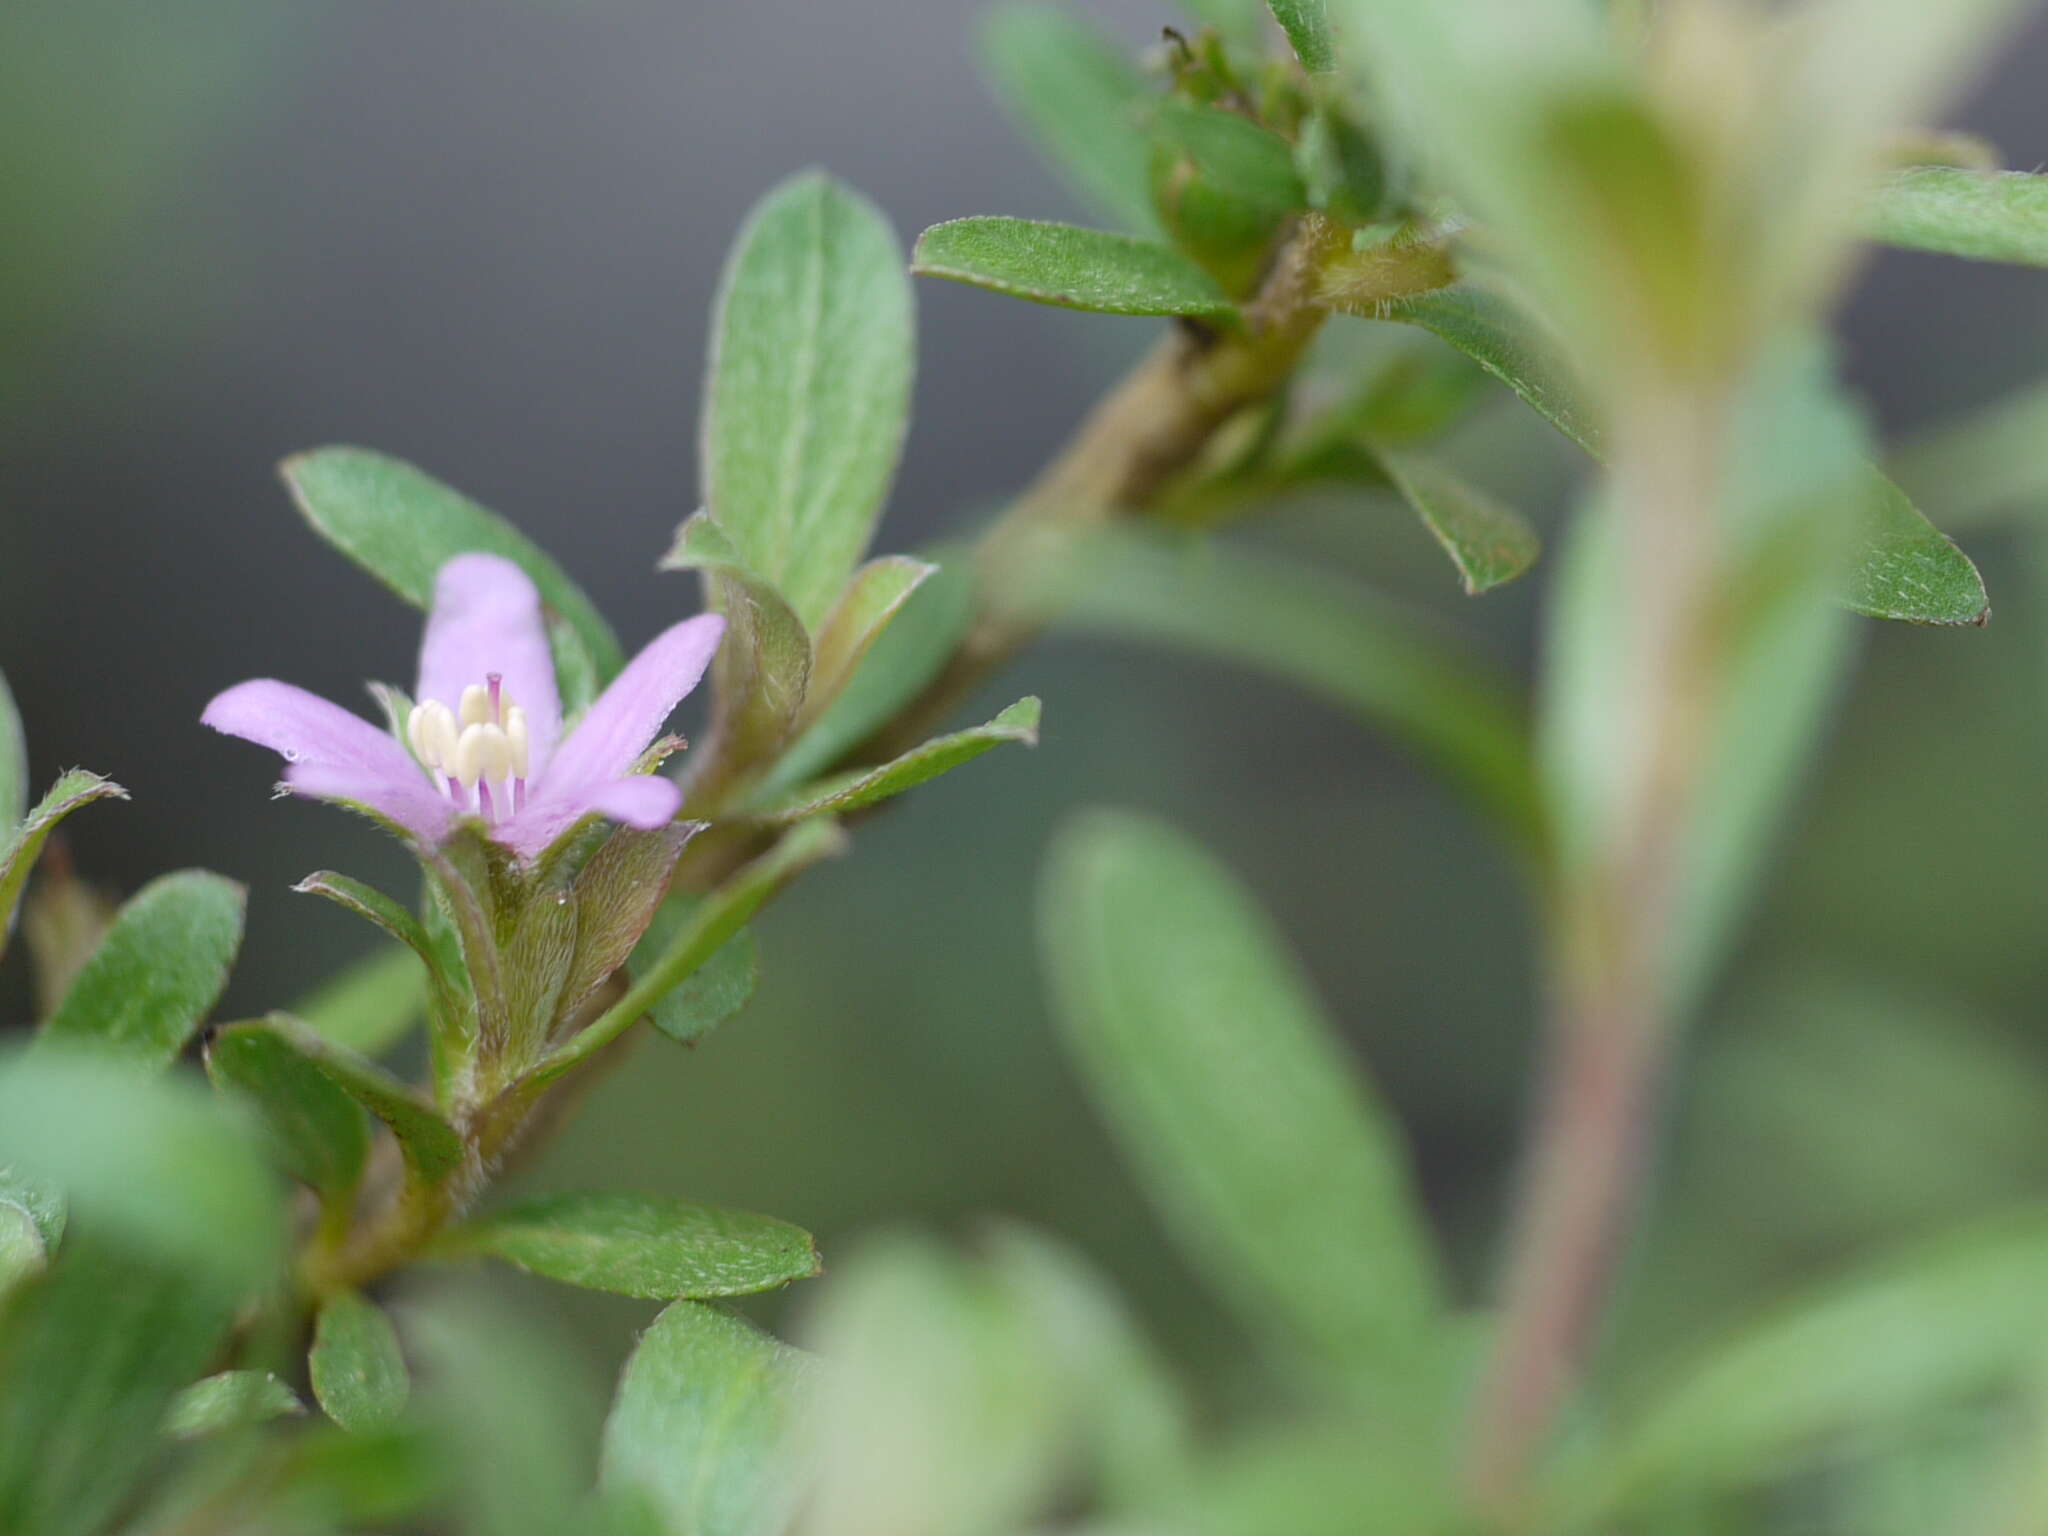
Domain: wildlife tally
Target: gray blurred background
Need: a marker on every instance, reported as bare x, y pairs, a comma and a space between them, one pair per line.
485, 237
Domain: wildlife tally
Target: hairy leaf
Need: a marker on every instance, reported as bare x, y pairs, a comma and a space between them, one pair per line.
865, 786
13, 765
1307, 24
25, 842
358, 1373
157, 971
1984, 215
809, 387
402, 526
1488, 542
317, 1128
1281, 1175
643, 1245
1071, 267
230, 1400
863, 612
1082, 101
713, 993
703, 1423
433, 1148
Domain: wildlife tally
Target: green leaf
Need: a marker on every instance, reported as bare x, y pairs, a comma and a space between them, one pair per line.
1393, 668
711, 923
1983, 215
25, 842
1512, 347
618, 893
157, 1165
358, 1373
1234, 155
22, 1250
433, 1148
317, 1128
1280, 1174
865, 786
906, 656
230, 1400
713, 993
703, 1422
1489, 542
809, 388
1909, 568
643, 1245
1071, 267
373, 906
1082, 101
1906, 1338
1307, 25
368, 1005
92, 1354
762, 671
402, 526
156, 973
13, 764
864, 611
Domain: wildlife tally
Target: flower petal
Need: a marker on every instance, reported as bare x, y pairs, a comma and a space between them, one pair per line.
487, 618
610, 737
332, 754
645, 801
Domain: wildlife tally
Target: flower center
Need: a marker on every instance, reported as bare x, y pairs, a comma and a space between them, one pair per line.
476, 751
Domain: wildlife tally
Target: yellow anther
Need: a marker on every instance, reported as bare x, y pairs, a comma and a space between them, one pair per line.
475, 707
431, 730
516, 740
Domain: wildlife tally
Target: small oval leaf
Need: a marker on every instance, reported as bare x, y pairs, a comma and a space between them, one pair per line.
1071, 267
358, 1372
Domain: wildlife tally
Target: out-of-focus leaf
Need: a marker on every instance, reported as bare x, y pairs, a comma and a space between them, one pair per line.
510, 1410
1315, 1481
317, 1128
156, 973
865, 786
91, 1354
1393, 668
13, 763
1279, 1174
1234, 155
1242, 22
433, 1148
809, 387
643, 1245
1307, 24
1081, 100
941, 1405
1890, 1341
1488, 541
1135, 1424
1071, 267
402, 526
358, 1372
1513, 348
714, 992
1909, 569
229, 1400
906, 656
618, 893
63, 919
1342, 169
763, 667
1984, 215
22, 1249
1983, 464
702, 1425
709, 926
368, 1005
863, 612
25, 842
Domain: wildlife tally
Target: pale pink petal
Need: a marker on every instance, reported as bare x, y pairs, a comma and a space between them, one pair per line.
627, 716
644, 800
487, 618
331, 754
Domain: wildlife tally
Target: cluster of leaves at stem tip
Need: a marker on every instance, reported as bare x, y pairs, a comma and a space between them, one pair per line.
183, 1270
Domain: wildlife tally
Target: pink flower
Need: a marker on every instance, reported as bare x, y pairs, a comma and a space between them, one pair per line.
486, 736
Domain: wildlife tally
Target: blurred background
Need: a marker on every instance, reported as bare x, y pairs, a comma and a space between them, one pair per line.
485, 237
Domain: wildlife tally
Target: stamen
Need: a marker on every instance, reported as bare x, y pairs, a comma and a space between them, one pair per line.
516, 737
485, 740
475, 707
